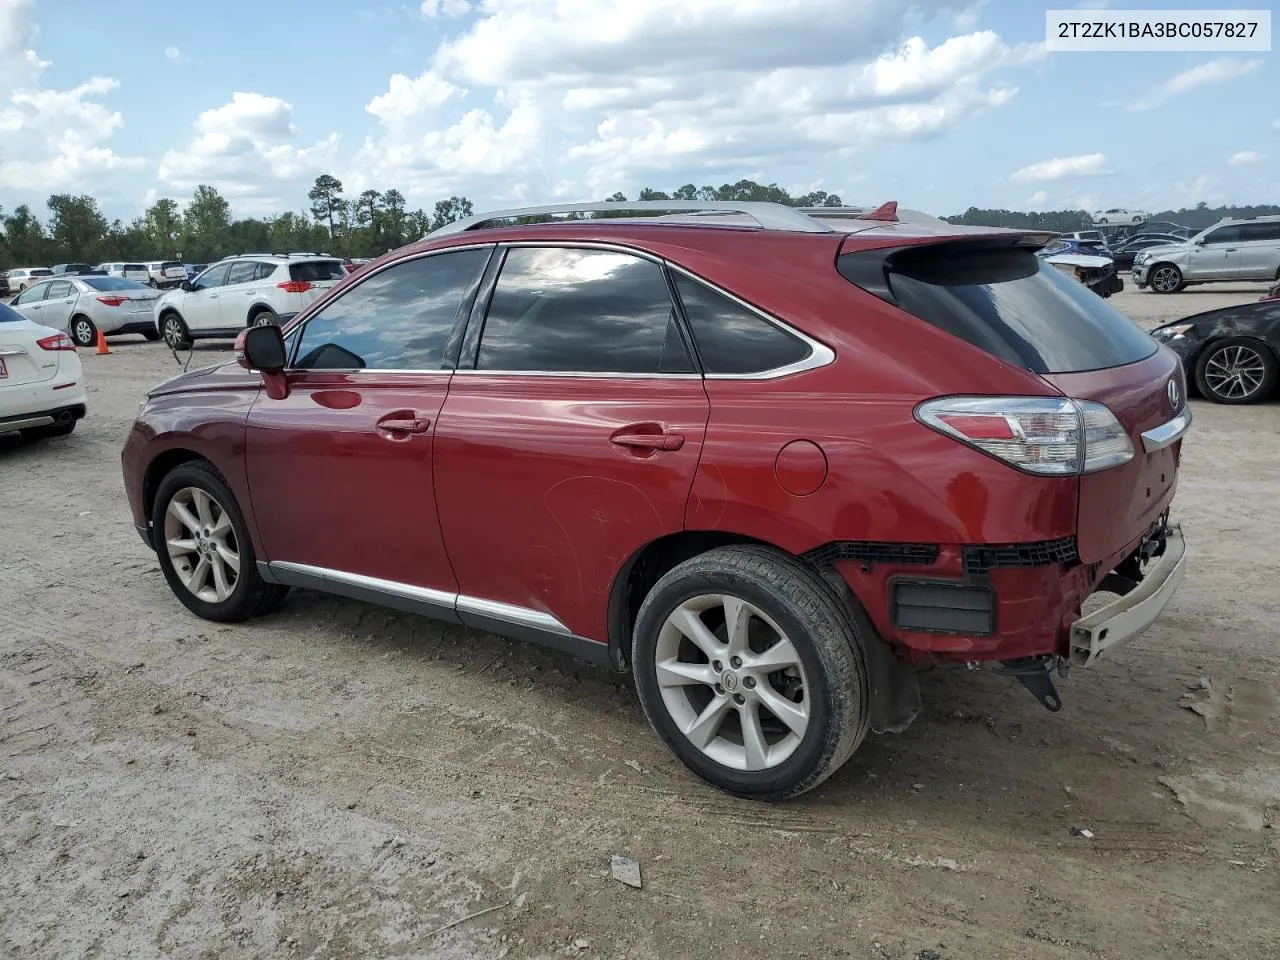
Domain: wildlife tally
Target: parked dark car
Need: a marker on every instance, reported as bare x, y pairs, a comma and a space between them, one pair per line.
770, 493
76, 270
1232, 354
1124, 252
195, 269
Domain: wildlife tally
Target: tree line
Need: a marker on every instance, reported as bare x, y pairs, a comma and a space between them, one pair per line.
372, 222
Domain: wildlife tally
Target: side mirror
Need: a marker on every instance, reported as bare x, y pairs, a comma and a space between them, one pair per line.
188, 286
1198, 241
261, 348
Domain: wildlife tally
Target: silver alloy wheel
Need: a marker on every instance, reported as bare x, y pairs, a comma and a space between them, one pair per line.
264, 319
173, 331
1166, 279
83, 332
1235, 372
732, 682
202, 544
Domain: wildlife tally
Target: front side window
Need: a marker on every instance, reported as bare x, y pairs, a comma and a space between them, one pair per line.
565, 310
398, 319
1223, 235
213, 277
32, 294
732, 339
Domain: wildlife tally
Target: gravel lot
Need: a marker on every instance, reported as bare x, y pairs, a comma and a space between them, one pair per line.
339, 780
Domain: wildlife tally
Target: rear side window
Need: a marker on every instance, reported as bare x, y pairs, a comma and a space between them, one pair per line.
317, 271
264, 270
1266, 230
242, 271
1005, 301
398, 319
564, 310
731, 338
59, 289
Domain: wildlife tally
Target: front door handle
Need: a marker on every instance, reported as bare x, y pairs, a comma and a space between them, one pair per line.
399, 424
647, 436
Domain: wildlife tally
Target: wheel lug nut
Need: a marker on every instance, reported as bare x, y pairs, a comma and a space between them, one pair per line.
749, 683
719, 689
739, 698
735, 662
717, 666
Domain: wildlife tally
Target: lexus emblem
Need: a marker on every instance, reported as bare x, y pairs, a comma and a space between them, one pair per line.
1174, 398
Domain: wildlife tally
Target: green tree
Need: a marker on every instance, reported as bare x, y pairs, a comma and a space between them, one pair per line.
451, 210
206, 226
77, 227
24, 233
418, 224
326, 201
163, 226
394, 218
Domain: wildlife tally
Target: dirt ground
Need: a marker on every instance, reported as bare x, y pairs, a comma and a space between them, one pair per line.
342, 781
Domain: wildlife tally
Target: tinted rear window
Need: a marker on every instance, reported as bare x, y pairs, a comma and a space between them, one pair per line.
317, 270
41, 273
1007, 302
173, 263
111, 283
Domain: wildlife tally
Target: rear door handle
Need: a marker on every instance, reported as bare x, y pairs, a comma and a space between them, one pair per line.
655, 437
404, 424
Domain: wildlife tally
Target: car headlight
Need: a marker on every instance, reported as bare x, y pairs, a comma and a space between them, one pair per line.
1170, 332
1142, 258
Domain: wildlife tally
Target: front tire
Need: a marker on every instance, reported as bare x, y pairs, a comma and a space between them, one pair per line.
203, 546
175, 332
83, 332
751, 672
1237, 370
1165, 278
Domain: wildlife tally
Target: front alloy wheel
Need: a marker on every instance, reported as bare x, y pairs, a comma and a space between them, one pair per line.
1236, 371
1166, 278
202, 544
175, 332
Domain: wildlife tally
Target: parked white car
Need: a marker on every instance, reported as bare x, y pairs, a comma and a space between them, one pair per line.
84, 305
166, 273
1118, 216
42, 392
243, 291
19, 278
137, 272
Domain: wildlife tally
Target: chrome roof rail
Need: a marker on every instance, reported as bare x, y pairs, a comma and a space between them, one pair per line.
769, 216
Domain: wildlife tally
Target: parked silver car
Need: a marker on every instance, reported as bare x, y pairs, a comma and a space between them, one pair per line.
1230, 250
85, 305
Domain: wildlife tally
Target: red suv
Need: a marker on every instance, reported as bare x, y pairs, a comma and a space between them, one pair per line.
770, 461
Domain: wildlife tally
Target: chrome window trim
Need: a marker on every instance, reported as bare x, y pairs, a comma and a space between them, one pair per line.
1165, 435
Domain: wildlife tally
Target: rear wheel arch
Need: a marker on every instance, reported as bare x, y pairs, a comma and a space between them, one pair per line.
257, 310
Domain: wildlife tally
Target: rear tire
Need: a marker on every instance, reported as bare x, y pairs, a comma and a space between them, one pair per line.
203, 546
767, 711
83, 332
151, 335
174, 330
266, 317
1235, 371
46, 433
1165, 278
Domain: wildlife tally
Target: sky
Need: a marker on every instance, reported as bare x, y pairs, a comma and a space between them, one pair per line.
939, 104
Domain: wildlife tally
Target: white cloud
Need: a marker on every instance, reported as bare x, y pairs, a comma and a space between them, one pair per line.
449, 8
1244, 157
52, 140
1037, 198
1210, 72
614, 94
1062, 168
245, 148
175, 55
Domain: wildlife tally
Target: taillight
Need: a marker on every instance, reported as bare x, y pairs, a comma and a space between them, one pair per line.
59, 341
294, 286
1044, 435
113, 301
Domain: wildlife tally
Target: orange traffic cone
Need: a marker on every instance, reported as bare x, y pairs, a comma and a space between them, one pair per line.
102, 344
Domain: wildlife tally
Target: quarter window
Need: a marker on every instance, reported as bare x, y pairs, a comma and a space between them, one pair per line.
565, 310
1269, 230
398, 319
731, 338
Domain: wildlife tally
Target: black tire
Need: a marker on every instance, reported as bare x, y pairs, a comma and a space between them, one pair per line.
151, 335
174, 330
45, 433
83, 332
1256, 362
1165, 278
824, 636
264, 317
251, 596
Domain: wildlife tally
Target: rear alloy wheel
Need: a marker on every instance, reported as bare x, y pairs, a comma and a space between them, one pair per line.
751, 672
175, 331
204, 549
1166, 278
1235, 371
83, 332
265, 318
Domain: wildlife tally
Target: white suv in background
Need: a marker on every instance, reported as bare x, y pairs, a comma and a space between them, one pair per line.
166, 273
241, 291
1230, 250
137, 272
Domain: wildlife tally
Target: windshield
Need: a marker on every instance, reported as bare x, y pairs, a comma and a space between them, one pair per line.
112, 283
1011, 304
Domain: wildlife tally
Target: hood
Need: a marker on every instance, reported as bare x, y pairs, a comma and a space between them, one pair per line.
1165, 249
224, 370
